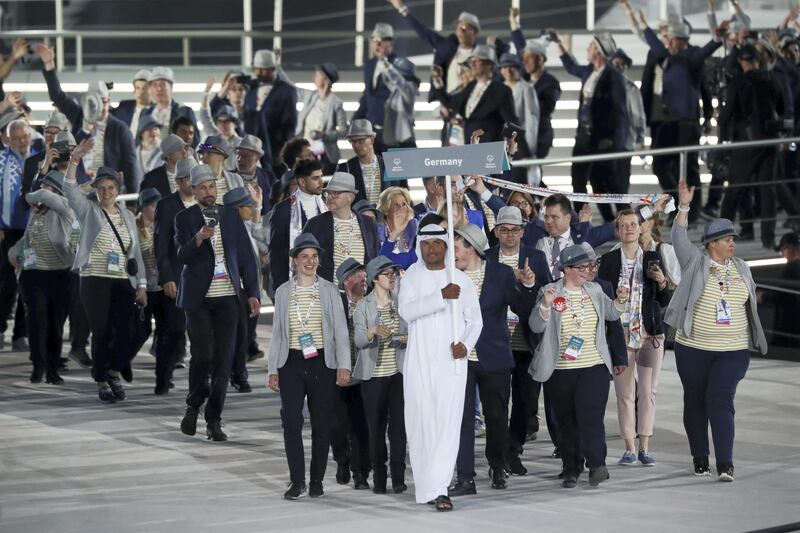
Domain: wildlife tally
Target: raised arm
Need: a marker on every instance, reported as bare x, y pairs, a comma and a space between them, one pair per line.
425, 33
684, 249
65, 104
53, 201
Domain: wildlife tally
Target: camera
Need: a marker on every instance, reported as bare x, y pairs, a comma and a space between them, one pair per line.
63, 149
244, 79
212, 216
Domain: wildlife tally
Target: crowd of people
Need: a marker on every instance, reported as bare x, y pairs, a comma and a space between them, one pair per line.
369, 330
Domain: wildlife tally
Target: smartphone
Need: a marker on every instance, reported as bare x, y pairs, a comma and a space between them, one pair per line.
653, 264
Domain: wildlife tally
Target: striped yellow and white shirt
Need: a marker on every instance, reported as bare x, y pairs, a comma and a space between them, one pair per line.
387, 357
518, 343
476, 277
105, 243
347, 241
222, 186
589, 355
147, 244
221, 284
40, 253
372, 181
706, 334
305, 317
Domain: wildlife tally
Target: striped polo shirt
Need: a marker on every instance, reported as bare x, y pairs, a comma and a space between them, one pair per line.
347, 241
305, 317
147, 244
706, 334
589, 355
476, 277
387, 357
518, 343
221, 284
40, 251
105, 243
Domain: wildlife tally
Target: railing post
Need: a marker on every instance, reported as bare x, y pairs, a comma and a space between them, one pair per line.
277, 24
590, 15
682, 163
79, 53
186, 60
359, 57
438, 14
247, 25
59, 40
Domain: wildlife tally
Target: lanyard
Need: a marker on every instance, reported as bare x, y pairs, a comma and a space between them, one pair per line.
578, 318
296, 300
338, 240
725, 287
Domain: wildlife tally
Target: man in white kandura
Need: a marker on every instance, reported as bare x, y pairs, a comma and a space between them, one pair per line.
435, 367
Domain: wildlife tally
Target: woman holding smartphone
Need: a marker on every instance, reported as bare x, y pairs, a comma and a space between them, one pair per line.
642, 272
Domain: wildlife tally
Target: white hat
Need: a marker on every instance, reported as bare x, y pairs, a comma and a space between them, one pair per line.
265, 59
162, 73
143, 74
470, 19
57, 120
382, 31
98, 87
535, 46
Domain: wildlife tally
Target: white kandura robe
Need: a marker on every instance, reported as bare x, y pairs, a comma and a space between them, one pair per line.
433, 392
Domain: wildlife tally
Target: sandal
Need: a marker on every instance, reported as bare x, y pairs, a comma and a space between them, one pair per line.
443, 503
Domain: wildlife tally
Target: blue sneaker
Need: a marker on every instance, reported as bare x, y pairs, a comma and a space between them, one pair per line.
646, 459
628, 459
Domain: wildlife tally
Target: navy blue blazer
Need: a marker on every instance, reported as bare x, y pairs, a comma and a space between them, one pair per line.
580, 232
615, 335
494, 109
157, 179
372, 101
265, 177
164, 238
124, 111
444, 48
279, 222
197, 262
321, 227
177, 110
353, 167
495, 203
538, 263
275, 122
119, 151
500, 291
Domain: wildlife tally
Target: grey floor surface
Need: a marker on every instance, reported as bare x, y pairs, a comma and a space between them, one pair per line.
70, 464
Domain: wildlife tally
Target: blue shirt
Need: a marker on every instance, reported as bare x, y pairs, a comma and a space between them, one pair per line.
12, 216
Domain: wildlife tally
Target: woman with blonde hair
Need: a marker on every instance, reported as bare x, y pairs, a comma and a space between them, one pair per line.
397, 232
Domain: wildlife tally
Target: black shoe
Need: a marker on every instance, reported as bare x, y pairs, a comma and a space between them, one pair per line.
116, 388
399, 485
315, 490
343, 474
570, 480
462, 488
54, 379
360, 482
725, 472
556, 454
36, 375
255, 355
189, 422
214, 431
242, 386
296, 490
597, 475
701, 466
106, 395
531, 436
378, 484
80, 357
515, 467
127, 373
498, 476
161, 390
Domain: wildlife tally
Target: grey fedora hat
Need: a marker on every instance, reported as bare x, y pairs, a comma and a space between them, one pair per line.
252, 143
360, 127
238, 197
484, 52
55, 179
347, 267
475, 236
303, 241
148, 196
342, 182
107, 173
201, 174
57, 120
378, 265
510, 214
577, 254
185, 166
717, 229
171, 144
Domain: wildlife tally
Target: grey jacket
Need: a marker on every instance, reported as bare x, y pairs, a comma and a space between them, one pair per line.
526, 104
695, 270
637, 121
364, 317
92, 220
548, 351
58, 219
334, 120
398, 121
336, 337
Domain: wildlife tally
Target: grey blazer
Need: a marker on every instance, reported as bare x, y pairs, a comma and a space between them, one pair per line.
695, 270
364, 317
398, 121
58, 219
92, 220
334, 120
548, 351
336, 337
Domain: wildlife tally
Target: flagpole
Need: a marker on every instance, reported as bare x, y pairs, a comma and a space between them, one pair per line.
451, 265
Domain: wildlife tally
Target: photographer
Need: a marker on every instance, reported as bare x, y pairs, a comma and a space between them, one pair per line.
111, 270
755, 110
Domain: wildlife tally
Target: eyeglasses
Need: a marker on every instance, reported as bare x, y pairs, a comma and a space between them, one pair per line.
586, 267
520, 204
331, 194
509, 231
391, 274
